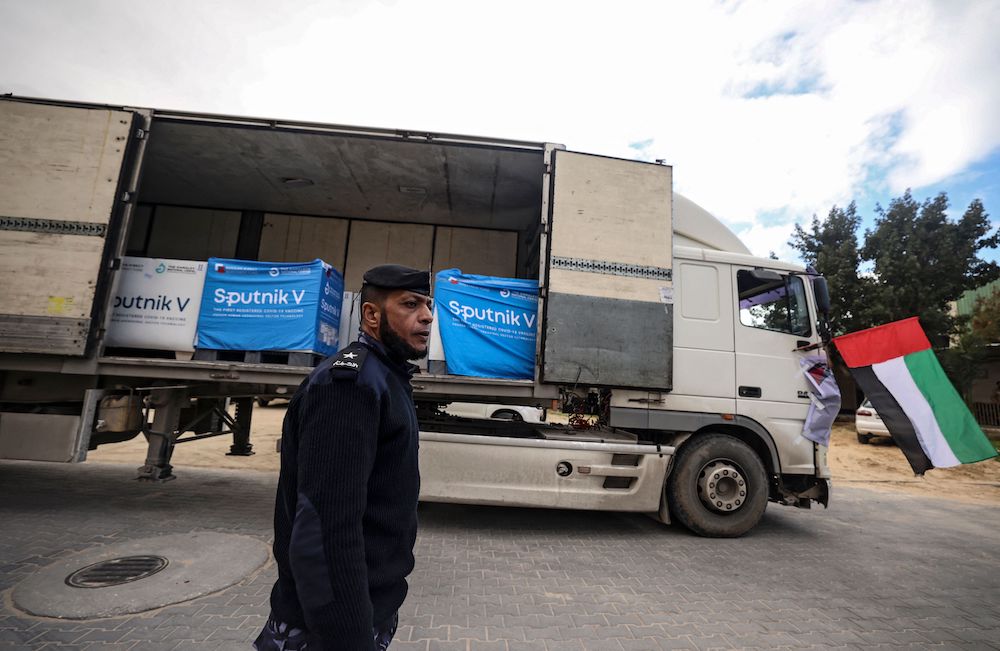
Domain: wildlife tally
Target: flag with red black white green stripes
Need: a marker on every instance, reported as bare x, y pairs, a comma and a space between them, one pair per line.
896, 368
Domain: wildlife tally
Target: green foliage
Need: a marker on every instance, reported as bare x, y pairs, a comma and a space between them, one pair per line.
831, 246
962, 359
984, 325
920, 261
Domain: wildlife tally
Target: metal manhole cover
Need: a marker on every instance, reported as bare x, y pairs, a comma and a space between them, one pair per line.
116, 571
201, 562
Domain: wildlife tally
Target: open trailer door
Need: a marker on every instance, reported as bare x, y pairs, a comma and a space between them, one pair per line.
63, 196
608, 313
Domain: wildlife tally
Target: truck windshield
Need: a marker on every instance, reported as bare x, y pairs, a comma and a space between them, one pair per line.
778, 305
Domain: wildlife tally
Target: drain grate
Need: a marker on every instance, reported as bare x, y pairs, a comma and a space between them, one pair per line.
116, 571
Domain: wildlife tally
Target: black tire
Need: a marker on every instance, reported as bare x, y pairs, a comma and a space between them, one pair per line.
507, 414
864, 439
708, 453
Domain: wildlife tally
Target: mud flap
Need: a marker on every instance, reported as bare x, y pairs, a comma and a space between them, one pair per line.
820, 492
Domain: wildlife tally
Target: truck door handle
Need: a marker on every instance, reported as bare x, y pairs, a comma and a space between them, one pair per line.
749, 392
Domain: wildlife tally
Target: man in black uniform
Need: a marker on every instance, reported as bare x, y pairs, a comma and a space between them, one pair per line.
345, 517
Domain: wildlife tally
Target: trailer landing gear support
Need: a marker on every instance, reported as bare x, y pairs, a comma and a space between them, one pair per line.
161, 437
241, 446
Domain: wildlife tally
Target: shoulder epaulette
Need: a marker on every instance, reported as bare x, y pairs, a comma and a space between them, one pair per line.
347, 363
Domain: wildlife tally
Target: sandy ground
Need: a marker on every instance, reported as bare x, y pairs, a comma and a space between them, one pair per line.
881, 466
211, 452
878, 466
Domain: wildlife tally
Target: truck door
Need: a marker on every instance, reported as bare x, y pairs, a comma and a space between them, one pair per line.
608, 312
772, 320
62, 204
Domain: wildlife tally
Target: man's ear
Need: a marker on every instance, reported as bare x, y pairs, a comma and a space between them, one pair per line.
371, 315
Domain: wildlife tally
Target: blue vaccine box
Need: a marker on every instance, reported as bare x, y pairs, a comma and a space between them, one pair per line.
286, 306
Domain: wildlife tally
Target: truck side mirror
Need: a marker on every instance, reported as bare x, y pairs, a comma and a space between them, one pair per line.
822, 292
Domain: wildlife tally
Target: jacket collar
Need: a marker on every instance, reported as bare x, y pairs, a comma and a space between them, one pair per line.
401, 366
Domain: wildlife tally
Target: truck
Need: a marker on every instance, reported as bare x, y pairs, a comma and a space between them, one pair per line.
676, 353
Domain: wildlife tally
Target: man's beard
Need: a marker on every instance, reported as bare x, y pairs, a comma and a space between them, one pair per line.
395, 344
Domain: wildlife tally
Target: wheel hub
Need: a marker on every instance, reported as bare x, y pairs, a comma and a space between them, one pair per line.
721, 486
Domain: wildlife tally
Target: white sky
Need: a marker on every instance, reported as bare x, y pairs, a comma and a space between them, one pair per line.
768, 111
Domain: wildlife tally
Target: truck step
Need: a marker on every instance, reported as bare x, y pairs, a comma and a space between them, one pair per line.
284, 357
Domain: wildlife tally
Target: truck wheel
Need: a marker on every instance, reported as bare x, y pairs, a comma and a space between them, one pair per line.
718, 487
864, 438
507, 414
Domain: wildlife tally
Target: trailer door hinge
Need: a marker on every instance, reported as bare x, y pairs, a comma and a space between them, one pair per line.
612, 268
140, 134
54, 226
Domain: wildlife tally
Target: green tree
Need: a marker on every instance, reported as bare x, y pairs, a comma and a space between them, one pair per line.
984, 326
831, 247
961, 360
922, 261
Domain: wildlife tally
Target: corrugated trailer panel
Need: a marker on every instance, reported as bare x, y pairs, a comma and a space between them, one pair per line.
59, 173
293, 238
476, 251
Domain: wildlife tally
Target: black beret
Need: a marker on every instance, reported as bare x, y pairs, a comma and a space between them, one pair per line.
394, 276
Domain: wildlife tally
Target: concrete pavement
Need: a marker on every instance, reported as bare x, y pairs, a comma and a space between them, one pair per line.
876, 570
